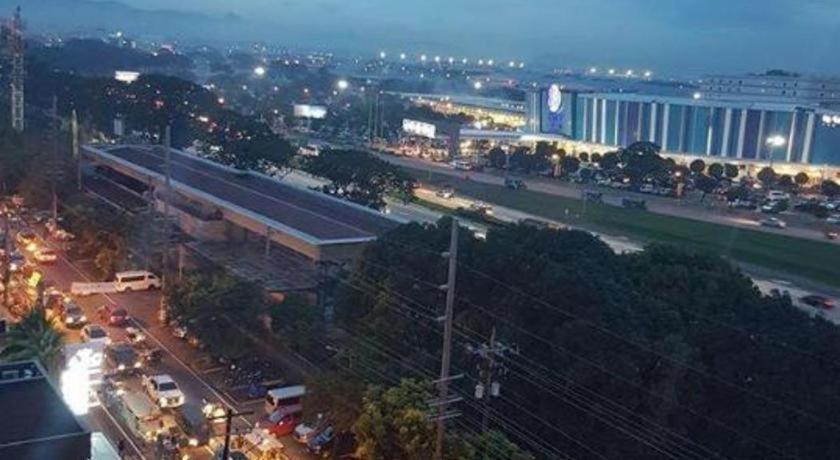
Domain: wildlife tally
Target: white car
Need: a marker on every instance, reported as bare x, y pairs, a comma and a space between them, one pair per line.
95, 333
163, 390
45, 256
773, 222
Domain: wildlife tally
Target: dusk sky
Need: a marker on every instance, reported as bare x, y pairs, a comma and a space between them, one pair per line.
666, 35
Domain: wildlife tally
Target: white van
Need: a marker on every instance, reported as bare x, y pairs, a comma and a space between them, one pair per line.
776, 195
285, 399
138, 280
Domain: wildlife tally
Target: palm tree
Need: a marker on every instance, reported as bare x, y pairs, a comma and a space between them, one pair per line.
34, 337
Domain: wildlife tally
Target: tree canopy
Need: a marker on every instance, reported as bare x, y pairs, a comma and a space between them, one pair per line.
668, 336
360, 176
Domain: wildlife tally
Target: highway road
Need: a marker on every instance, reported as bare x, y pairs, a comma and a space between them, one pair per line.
143, 308
798, 225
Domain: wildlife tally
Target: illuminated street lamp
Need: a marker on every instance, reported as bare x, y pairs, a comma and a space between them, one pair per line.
775, 142
556, 159
423, 57
342, 85
593, 70
402, 56
477, 85
648, 73
259, 71
696, 96
611, 71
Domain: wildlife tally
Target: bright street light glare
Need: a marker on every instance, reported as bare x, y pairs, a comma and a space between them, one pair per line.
382, 55
423, 57
402, 56
593, 70
477, 85
696, 95
342, 84
776, 141
259, 71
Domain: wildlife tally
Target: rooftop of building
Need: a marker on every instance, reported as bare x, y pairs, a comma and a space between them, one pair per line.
314, 217
34, 409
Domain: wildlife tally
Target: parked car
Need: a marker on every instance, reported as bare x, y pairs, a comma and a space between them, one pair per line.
514, 183
445, 192
776, 195
278, 424
122, 358
95, 333
45, 256
163, 390
818, 301
773, 222
833, 219
482, 208
743, 204
113, 315
306, 431
774, 207
317, 444
73, 316
647, 188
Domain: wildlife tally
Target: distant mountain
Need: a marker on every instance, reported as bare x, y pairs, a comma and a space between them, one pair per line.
86, 17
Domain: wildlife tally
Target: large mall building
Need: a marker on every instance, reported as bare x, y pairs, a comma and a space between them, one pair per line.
760, 120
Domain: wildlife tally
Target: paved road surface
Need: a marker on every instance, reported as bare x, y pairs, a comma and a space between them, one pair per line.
142, 307
798, 226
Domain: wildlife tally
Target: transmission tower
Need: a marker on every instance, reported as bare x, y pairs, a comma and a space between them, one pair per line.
15, 44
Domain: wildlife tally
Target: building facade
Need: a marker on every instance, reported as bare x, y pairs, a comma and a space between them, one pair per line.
778, 86
694, 126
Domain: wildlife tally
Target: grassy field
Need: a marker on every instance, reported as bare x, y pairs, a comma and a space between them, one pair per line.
805, 258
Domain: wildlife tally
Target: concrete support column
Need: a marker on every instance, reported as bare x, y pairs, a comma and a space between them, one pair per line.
652, 125
594, 133
791, 136
742, 131
603, 121
727, 127
666, 114
809, 138
760, 140
710, 131
617, 119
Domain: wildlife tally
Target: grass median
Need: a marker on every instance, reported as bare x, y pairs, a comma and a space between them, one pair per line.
801, 257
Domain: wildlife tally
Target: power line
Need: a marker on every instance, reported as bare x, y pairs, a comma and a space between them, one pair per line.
590, 363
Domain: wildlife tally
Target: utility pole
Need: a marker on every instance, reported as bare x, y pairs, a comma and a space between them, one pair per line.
229, 415
443, 383
489, 368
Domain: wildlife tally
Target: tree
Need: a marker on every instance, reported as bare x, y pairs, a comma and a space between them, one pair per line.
214, 306
360, 177
497, 157
496, 442
830, 188
785, 182
767, 176
737, 193
609, 161
697, 166
705, 184
716, 170
583, 157
595, 158
394, 423
35, 337
730, 171
569, 165
801, 178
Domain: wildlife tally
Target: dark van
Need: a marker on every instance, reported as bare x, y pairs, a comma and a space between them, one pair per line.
194, 424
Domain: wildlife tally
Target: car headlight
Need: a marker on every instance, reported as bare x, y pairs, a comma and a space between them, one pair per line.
83, 318
193, 442
121, 367
70, 320
138, 364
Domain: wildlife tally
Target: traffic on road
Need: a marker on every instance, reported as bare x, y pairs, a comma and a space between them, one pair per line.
155, 393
